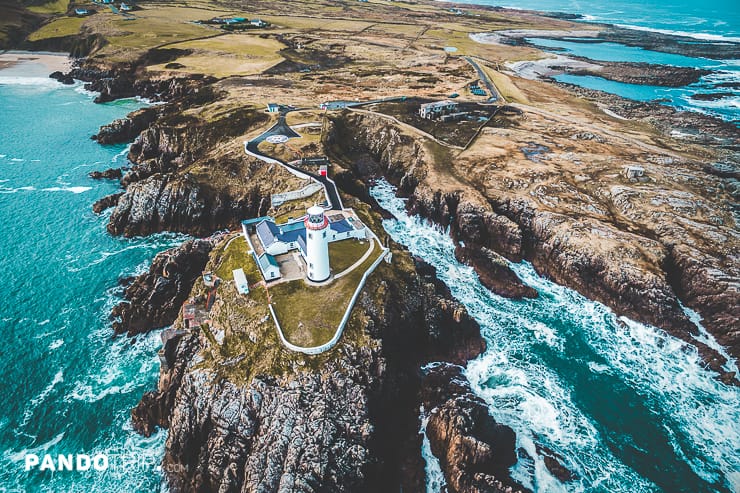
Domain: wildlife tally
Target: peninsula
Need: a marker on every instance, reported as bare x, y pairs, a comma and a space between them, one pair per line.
296, 328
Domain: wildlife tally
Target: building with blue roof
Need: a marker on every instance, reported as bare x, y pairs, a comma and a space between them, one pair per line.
278, 239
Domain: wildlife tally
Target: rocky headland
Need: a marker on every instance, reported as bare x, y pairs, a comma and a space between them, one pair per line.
618, 241
245, 414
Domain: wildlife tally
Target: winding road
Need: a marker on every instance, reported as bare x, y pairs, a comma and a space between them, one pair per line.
281, 127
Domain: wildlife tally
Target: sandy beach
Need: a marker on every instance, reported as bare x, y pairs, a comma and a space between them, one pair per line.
547, 67
32, 64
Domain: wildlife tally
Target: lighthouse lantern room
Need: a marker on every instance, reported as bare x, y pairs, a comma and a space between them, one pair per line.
317, 244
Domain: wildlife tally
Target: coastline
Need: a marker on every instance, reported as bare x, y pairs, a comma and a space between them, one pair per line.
153, 133
16, 63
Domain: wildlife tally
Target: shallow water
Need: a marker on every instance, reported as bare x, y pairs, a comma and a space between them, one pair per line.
630, 408
726, 71
67, 384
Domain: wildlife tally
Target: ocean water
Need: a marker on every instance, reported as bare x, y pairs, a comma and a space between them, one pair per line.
723, 72
710, 19
628, 407
67, 384
716, 20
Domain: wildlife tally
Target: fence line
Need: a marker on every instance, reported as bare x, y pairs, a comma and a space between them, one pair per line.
338, 334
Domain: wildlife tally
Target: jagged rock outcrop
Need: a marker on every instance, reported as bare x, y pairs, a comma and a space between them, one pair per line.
493, 271
167, 202
644, 73
625, 267
309, 433
106, 202
348, 424
161, 194
154, 298
125, 81
475, 452
126, 129
109, 174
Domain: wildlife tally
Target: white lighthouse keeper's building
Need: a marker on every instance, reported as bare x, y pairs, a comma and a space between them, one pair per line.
317, 244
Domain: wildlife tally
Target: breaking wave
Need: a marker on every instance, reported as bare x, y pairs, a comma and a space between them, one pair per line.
628, 407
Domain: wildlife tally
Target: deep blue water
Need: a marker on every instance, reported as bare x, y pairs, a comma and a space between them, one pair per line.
628, 407
67, 384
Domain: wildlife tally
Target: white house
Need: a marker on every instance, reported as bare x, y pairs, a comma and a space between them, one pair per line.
268, 266
301, 234
634, 171
436, 109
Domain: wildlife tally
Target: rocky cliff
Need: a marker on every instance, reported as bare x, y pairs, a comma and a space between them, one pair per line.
625, 257
153, 299
346, 420
474, 450
182, 179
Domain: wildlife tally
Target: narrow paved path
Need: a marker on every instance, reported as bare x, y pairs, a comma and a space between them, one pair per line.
281, 127
359, 262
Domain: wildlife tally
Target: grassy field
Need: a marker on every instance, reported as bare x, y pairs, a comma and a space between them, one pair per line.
310, 315
235, 256
342, 254
506, 86
152, 27
54, 7
58, 28
229, 54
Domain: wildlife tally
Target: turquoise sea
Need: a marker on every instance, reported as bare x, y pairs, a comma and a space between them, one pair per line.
67, 384
715, 20
628, 408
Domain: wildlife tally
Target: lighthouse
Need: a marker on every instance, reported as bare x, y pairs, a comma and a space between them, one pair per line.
317, 244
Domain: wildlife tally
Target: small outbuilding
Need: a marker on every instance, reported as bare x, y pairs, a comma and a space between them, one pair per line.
273, 107
242, 286
269, 267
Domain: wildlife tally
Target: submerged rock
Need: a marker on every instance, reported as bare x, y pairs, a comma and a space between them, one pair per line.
109, 174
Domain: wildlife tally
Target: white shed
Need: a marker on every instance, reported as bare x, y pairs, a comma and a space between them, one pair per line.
242, 285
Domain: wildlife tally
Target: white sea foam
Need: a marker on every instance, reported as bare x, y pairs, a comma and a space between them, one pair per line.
528, 395
706, 338
16, 190
33, 403
67, 189
688, 34
38, 450
434, 477
41, 83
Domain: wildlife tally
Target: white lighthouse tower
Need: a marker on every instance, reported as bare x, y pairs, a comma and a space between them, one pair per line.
317, 244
